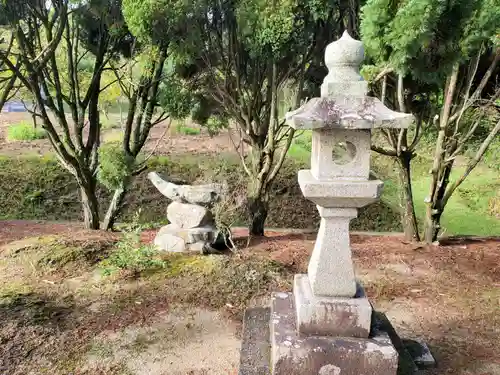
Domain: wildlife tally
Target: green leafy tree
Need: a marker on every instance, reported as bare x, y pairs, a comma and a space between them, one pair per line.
237, 56
70, 55
444, 57
43, 30
154, 96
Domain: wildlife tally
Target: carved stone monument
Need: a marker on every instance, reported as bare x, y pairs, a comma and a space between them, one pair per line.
192, 225
326, 326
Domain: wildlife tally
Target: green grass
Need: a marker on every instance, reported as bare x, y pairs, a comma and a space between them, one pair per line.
469, 210
110, 122
186, 130
300, 149
24, 131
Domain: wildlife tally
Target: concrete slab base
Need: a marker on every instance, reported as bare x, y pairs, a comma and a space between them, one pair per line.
295, 354
256, 345
331, 316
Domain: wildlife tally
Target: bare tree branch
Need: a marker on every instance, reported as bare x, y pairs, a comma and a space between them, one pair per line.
240, 151
473, 163
383, 74
155, 147
479, 90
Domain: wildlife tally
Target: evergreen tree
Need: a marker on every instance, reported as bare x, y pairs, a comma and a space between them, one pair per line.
445, 56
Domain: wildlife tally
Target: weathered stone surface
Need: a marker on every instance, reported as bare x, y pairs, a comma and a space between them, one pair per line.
187, 216
343, 58
198, 247
344, 112
338, 183
330, 316
329, 370
257, 331
255, 346
339, 193
195, 194
191, 235
170, 242
294, 354
330, 269
343, 102
175, 239
325, 167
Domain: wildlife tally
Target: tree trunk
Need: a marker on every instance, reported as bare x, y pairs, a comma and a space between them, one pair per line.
114, 208
258, 207
439, 176
257, 210
408, 217
433, 226
433, 219
90, 207
121, 113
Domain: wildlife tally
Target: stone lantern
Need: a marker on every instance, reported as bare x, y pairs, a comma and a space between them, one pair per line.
326, 325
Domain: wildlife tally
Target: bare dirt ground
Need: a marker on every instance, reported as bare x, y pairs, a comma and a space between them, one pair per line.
74, 320
161, 141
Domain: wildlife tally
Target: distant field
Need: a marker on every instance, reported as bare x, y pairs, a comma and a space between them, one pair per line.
469, 211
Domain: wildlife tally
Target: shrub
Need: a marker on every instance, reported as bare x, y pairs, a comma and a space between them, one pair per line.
25, 131
115, 166
187, 130
215, 124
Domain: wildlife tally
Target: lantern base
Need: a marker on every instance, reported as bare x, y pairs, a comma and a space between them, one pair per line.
331, 316
293, 353
257, 344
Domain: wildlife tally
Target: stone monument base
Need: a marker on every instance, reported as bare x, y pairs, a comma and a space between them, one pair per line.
335, 316
295, 354
271, 345
172, 238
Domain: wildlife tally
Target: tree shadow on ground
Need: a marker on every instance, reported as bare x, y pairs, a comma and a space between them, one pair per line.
463, 347
36, 309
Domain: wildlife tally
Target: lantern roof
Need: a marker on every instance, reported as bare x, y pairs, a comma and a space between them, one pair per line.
344, 102
346, 113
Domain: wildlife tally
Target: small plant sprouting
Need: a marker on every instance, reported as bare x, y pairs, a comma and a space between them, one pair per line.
133, 256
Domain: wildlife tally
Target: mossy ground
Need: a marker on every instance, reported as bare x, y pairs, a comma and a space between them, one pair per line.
61, 314
55, 287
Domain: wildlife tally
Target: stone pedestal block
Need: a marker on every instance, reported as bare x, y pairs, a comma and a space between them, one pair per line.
330, 269
339, 193
331, 316
190, 235
172, 238
185, 215
169, 242
295, 354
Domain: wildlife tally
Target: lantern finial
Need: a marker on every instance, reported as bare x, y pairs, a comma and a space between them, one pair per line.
343, 59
